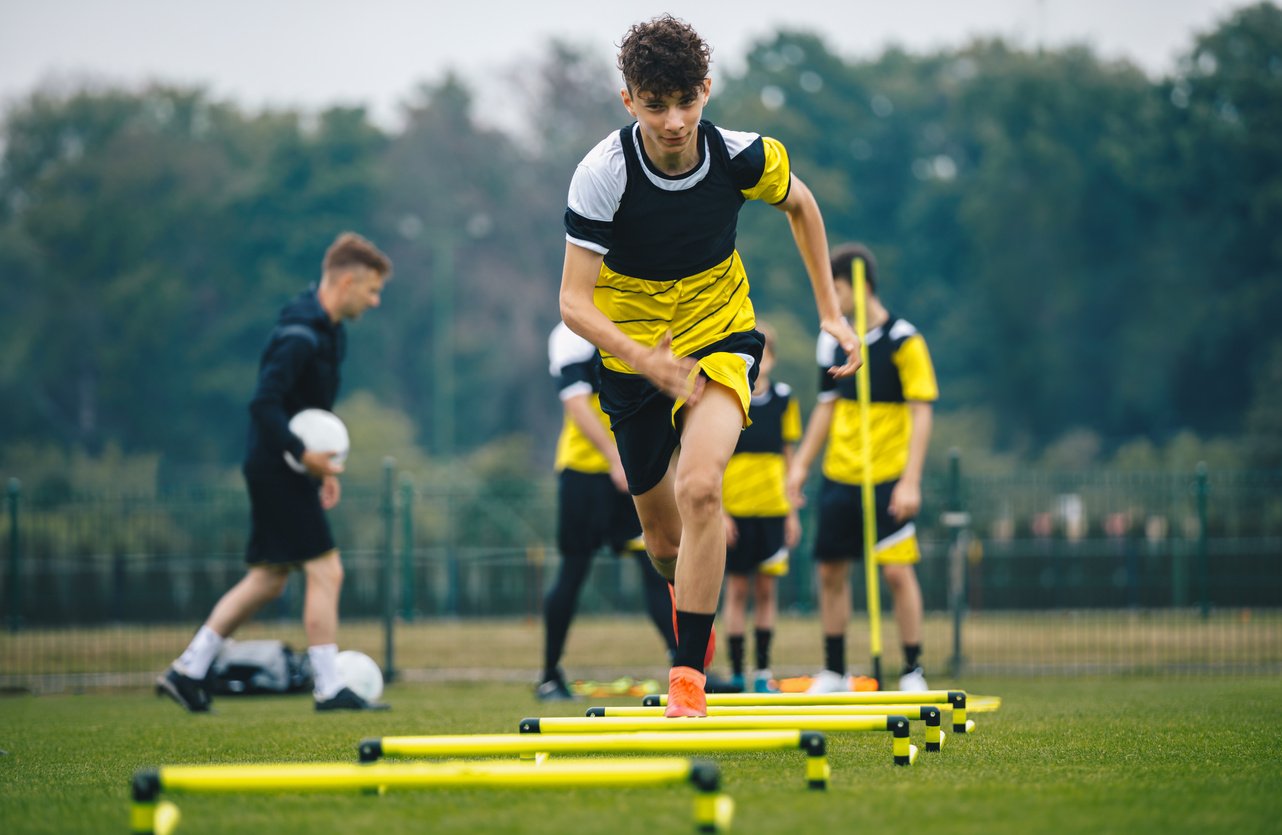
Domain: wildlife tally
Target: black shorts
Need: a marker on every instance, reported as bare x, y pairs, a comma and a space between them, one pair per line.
841, 525
287, 524
641, 415
760, 538
592, 512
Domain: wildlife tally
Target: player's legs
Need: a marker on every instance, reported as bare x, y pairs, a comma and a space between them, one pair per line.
559, 606
710, 432
905, 592
184, 681
834, 604
734, 617
765, 600
658, 605
581, 523
324, 576
260, 585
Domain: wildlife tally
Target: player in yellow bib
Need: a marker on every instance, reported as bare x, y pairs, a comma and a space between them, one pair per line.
653, 279
902, 388
593, 506
761, 523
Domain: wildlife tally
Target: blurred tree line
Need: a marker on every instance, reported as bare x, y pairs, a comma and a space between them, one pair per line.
1092, 254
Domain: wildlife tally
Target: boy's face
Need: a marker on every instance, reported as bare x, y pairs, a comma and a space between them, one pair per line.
669, 122
362, 288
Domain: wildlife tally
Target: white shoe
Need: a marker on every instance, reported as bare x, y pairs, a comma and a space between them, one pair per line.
827, 681
913, 681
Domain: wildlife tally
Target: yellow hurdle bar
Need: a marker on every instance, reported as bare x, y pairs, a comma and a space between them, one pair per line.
904, 751
152, 816
956, 699
811, 743
932, 715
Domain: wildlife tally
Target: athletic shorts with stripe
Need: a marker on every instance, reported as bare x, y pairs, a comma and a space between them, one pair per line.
760, 541
644, 419
841, 526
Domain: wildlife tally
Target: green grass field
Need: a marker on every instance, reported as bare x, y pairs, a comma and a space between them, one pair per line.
1068, 755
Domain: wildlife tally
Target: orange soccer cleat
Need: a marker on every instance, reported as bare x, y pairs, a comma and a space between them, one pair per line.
686, 696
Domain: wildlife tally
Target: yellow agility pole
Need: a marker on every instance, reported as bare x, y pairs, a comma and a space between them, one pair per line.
903, 750
931, 715
812, 743
152, 816
865, 446
954, 699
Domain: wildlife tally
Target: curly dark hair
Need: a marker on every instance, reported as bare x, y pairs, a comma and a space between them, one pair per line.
664, 56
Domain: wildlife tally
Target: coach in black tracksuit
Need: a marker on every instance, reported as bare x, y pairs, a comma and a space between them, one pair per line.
288, 528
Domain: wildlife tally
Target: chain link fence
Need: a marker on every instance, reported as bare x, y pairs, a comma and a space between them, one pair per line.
1034, 573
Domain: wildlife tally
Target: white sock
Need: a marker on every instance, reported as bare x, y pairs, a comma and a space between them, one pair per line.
200, 653
324, 658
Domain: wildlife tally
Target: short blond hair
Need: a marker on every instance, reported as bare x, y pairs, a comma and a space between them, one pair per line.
352, 250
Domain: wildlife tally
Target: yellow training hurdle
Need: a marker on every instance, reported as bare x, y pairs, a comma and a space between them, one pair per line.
903, 750
811, 743
150, 815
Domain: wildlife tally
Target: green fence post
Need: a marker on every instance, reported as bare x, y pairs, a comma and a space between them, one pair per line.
389, 569
957, 520
1203, 552
407, 548
15, 556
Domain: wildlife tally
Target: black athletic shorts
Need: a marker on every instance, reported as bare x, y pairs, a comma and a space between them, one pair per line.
841, 525
760, 538
592, 512
286, 521
641, 415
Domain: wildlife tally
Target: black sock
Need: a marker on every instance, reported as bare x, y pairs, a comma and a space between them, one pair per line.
911, 653
835, 653
736, 654
763, 637
693, 630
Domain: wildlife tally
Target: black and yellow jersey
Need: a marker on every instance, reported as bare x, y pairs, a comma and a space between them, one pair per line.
668, 242
754, 479
576, 368
899, 371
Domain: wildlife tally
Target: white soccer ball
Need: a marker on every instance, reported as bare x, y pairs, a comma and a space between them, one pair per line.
319, 430
361, 674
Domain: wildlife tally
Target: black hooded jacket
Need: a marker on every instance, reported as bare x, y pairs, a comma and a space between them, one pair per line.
299, 370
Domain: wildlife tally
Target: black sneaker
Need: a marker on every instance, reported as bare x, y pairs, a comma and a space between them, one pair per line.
185, 690
553, 690
345, 699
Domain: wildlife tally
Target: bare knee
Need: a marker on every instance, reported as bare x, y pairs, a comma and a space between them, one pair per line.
269, 583
833, 576
899, 576
698, 494
737, 590
326, 570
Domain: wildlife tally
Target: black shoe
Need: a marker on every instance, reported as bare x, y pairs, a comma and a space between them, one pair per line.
553, 690
185, 690
345, 699
717, 684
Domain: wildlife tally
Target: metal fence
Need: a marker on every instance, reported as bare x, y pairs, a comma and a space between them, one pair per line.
1026, 573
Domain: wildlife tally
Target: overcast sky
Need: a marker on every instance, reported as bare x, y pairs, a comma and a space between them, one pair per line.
312, 53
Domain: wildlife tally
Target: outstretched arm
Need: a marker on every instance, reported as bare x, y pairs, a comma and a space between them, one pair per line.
812, 243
